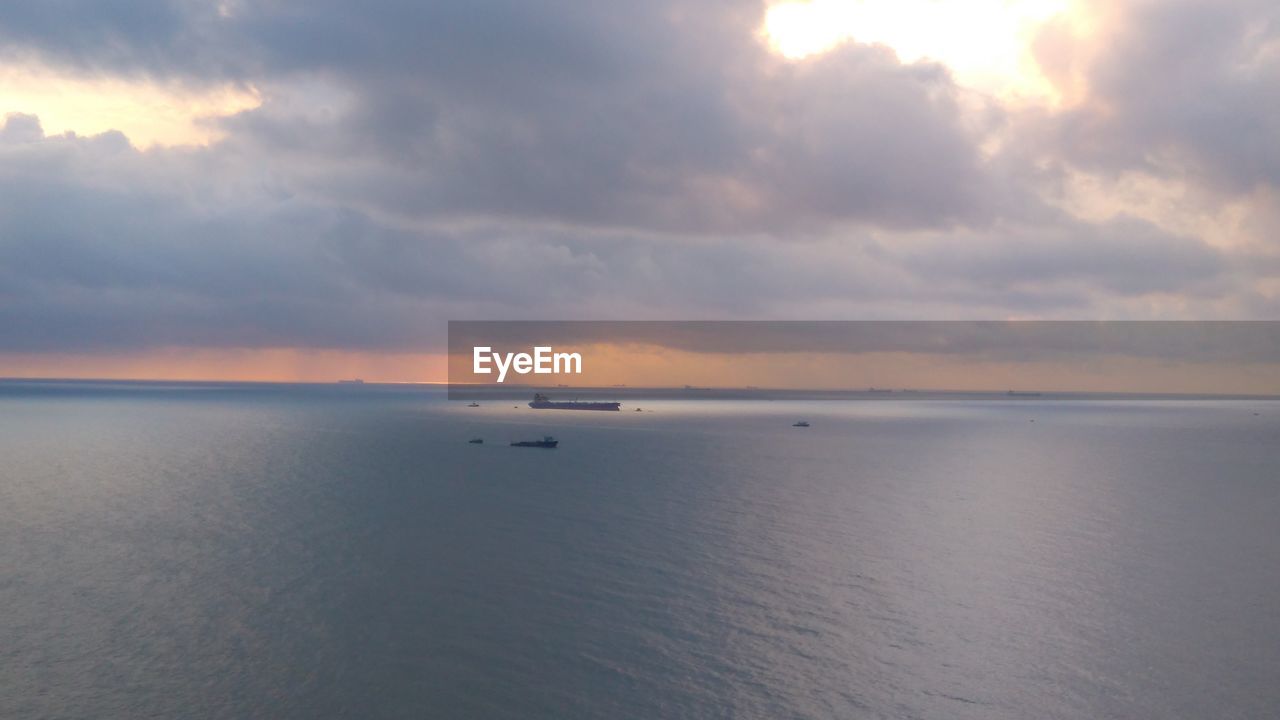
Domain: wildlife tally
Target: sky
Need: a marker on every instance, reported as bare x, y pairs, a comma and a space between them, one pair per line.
1175, 357
310, 189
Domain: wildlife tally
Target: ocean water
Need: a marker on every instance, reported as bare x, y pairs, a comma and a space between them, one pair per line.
307, 552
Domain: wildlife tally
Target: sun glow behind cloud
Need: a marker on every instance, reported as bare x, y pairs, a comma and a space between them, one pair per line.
149, 113
986, 43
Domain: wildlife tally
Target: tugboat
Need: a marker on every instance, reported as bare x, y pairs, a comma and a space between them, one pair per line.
800, 423
546, 442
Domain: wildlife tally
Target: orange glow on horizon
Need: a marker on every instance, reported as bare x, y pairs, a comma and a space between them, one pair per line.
636, 365
653, 366
244, 365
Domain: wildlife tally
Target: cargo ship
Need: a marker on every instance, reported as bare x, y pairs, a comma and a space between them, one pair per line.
542, 402
546, 442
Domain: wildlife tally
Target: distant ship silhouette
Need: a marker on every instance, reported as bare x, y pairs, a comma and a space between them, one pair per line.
542, 402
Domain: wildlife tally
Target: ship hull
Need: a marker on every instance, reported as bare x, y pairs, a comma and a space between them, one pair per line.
604, 406
542, 402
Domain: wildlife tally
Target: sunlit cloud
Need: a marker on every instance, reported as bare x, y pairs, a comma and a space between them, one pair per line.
148, 112
986, 43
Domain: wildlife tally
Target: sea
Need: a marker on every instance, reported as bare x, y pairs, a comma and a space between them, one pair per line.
207, 550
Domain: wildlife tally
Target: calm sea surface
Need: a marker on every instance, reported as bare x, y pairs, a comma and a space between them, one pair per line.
295, 552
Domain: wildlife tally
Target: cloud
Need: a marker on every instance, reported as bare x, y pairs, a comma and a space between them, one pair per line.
417, 162
651, 115
125, 37
1124, 256
109, 248
1185, 87
19, 128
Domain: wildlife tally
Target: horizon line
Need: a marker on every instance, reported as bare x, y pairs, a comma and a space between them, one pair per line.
1010, 392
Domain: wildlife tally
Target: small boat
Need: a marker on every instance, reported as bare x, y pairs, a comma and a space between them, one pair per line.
545, 442
476, 441
638, 410
474, 404
800, 423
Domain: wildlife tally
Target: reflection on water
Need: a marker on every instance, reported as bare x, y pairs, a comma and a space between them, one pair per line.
299, 553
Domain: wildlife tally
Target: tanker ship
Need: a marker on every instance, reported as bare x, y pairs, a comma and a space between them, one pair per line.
542, 402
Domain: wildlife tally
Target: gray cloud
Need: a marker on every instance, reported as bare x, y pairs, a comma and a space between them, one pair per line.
1125, 256
653, 115
130, 37
416, 162
1186, 87
106, 247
